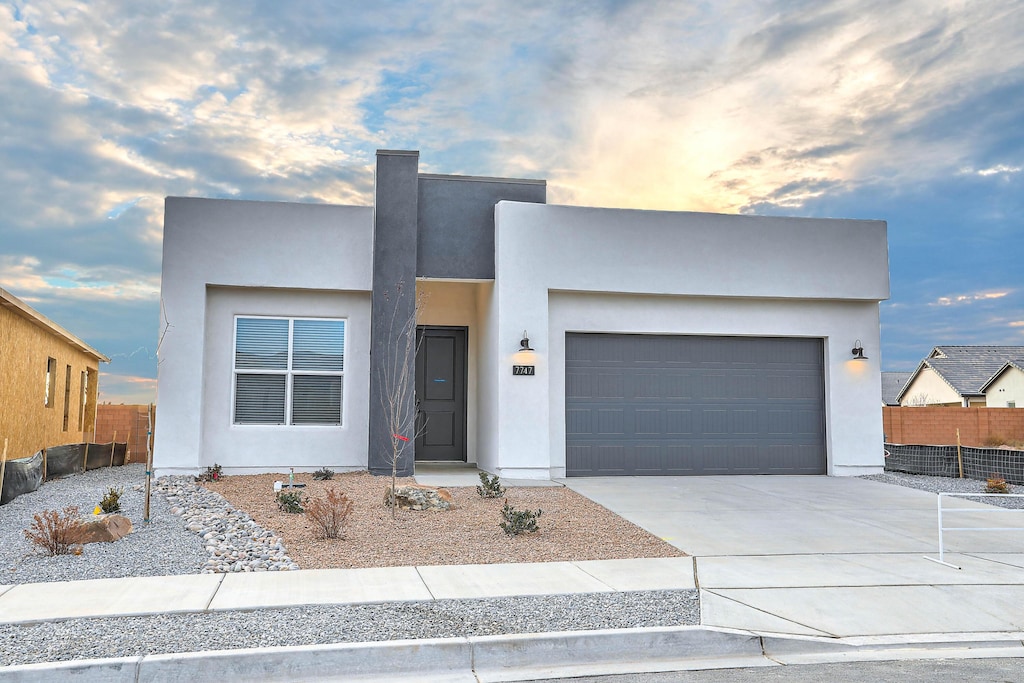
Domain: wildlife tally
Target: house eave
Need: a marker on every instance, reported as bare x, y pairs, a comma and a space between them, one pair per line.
8, 300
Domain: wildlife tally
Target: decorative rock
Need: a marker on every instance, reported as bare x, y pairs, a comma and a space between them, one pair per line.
103, 529
419, 497
234, 542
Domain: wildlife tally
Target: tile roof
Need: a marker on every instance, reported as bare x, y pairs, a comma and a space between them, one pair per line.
1012, 363
892, 385
969, 368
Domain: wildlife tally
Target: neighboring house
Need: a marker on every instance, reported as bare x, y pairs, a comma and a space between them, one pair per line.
1006, 387
958, 375
556, 340
48, 381
892, 385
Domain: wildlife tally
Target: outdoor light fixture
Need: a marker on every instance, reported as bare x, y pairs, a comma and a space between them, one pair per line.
524, 343
858, 351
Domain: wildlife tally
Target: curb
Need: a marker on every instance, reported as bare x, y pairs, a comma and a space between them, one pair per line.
520, 657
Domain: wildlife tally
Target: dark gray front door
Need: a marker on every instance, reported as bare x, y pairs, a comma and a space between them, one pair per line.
688, 405
441, 393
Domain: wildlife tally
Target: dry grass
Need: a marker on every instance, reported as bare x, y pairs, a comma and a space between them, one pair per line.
571, 528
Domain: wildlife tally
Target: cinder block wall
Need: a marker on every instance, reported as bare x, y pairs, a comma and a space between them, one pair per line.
128, 422
938, 425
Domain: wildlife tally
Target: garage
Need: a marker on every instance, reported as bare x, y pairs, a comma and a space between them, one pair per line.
683, 405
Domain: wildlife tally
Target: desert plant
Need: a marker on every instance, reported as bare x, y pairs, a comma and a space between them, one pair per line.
330, 513
290, 501
396, 381
996, 484
54, 532
490, 487
323, 474
212, 473
111, 501
518, 521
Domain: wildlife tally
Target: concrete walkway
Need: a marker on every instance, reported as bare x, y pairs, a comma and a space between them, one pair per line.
789, 569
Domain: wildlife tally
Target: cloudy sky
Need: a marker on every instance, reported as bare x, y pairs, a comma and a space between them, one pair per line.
908, 111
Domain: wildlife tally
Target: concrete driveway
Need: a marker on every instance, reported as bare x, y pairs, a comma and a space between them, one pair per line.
778, 515
829, 556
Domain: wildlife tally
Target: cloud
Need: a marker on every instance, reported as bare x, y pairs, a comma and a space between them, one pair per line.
994, 170
908, 111
967, 298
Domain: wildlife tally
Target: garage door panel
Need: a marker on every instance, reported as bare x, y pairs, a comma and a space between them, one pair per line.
640, 404
649, 422
678, 421
610, 421
578, 422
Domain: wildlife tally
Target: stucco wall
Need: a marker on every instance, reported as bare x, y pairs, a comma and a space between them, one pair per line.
240, 244
928, 388
25, 421
275, 448
1007, 388
767, 275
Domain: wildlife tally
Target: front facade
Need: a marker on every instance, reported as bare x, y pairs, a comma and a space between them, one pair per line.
49, 381
552, 340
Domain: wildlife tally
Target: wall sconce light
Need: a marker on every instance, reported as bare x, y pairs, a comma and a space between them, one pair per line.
524, 343
858, 351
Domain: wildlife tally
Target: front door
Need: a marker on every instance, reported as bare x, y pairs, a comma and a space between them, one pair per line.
441, 393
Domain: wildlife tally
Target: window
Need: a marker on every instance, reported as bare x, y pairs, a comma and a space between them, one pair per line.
288, 371
67, 396
83, 391
51, 377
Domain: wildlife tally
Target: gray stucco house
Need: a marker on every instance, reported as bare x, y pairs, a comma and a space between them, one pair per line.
556, 340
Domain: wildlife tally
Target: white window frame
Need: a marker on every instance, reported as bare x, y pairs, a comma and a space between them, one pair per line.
289, 373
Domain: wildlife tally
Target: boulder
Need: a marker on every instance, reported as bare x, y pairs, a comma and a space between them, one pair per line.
418, 497
103, 528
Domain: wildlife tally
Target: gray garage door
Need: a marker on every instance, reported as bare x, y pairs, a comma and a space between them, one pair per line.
688, 405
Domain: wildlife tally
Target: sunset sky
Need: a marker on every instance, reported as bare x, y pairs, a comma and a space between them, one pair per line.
911, 112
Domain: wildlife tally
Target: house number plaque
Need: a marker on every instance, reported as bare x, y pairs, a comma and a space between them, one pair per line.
523, 370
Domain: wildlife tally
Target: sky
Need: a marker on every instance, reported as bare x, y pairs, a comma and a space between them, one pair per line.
907, 111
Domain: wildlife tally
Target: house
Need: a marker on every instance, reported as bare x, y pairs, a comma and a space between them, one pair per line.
892, 385
554, 340
49, 381
959, 375
1005, 389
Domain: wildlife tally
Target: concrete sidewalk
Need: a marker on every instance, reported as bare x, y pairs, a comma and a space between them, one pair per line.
37, 602
789, 570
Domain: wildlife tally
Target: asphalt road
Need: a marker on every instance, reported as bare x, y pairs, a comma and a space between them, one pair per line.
915, 671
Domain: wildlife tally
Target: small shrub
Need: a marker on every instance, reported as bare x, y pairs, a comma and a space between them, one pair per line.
55, 533
323, 474
518, 521
111, 502
290, 501
330, 514
212, 473
993, 441
996, 484
490, 487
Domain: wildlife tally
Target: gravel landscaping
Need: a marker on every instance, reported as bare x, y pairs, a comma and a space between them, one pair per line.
941, 484
311, 625
195, 530
212, 534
